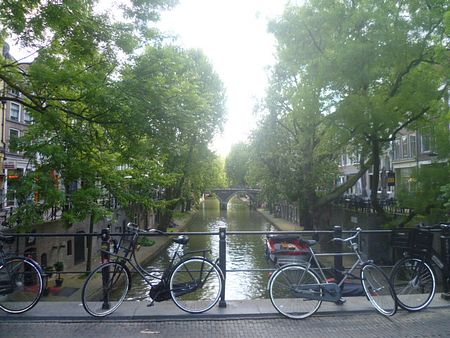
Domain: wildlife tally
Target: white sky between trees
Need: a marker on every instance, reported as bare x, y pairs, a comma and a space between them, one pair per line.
233, 35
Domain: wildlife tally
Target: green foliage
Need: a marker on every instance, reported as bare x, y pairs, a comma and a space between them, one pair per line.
59, 266
350, 75
106, 124
145, 241
237, 165
427, 197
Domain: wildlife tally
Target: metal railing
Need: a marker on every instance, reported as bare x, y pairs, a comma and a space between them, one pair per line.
338, 253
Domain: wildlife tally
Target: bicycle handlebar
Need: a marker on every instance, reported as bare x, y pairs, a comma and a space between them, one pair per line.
134, 227
348, 239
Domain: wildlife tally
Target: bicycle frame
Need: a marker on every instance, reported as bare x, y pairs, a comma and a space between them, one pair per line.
332, 291
151, 276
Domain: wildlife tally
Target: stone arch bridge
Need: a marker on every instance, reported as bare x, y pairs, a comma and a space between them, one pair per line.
224, 195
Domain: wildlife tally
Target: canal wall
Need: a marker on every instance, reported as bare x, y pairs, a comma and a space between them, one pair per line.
280, 223
146, 254
377, 246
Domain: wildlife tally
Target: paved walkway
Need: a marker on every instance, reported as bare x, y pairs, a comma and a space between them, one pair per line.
235, 309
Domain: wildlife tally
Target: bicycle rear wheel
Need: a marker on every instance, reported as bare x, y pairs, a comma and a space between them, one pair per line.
295, 291
414, 282
378, 289
21, 285
196, 285
105, 289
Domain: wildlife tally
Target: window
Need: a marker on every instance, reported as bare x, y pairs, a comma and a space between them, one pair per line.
14, 134
14, 113
405, 146
14, 92
413, 145
425, 146
27, 117
69, 247
13, 177
397, 152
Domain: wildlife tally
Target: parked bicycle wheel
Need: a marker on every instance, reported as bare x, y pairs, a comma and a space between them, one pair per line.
105, 289
378, 289
289, 295
21, 285
196, 285
414, 283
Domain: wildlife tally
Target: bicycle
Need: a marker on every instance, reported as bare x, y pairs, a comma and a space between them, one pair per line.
22, 280
194, 283
413, 276
297, 290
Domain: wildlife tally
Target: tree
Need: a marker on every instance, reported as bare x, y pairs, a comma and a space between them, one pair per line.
237, 165
177, 100
67, 90
349, 76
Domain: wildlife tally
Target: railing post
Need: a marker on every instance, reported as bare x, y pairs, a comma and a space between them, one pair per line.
223, 261
338, 248
445, 252
105, 234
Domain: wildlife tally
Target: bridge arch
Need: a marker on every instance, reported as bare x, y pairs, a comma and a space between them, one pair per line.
224, 195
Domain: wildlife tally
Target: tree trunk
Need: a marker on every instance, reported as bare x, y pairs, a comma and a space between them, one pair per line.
376, 179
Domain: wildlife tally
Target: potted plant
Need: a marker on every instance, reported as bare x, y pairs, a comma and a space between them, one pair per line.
49, 270
59, 266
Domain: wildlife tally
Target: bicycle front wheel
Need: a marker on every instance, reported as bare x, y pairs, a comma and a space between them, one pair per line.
105, 289
295, 291
21, 285
196, 285
414, 283
378, 289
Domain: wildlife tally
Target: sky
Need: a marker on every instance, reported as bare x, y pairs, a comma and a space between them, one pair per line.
233, 35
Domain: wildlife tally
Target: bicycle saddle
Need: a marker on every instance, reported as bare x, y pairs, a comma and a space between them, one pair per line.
181, 239
308, 242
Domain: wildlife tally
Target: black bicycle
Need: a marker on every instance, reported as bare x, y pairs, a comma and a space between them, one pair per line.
191, 280
22, 280
413, 276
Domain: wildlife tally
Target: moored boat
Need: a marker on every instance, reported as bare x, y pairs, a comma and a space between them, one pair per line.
284, 249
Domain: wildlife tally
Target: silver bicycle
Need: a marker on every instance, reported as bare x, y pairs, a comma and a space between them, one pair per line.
298, 290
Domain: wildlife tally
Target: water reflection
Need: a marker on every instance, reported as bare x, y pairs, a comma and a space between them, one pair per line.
244, 252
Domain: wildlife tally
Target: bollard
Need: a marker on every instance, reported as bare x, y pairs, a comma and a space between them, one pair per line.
445, 252
105, 246
223, 261
338, 249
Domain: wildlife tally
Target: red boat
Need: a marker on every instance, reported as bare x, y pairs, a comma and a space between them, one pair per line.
284, 249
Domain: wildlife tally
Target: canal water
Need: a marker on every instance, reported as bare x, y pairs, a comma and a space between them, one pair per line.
245, 253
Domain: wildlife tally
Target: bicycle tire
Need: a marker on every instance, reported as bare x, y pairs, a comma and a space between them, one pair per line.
378, 289
196, 284
414, 282
287, 295
105, 289
21, 285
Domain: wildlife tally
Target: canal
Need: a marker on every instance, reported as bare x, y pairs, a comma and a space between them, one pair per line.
245, 253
